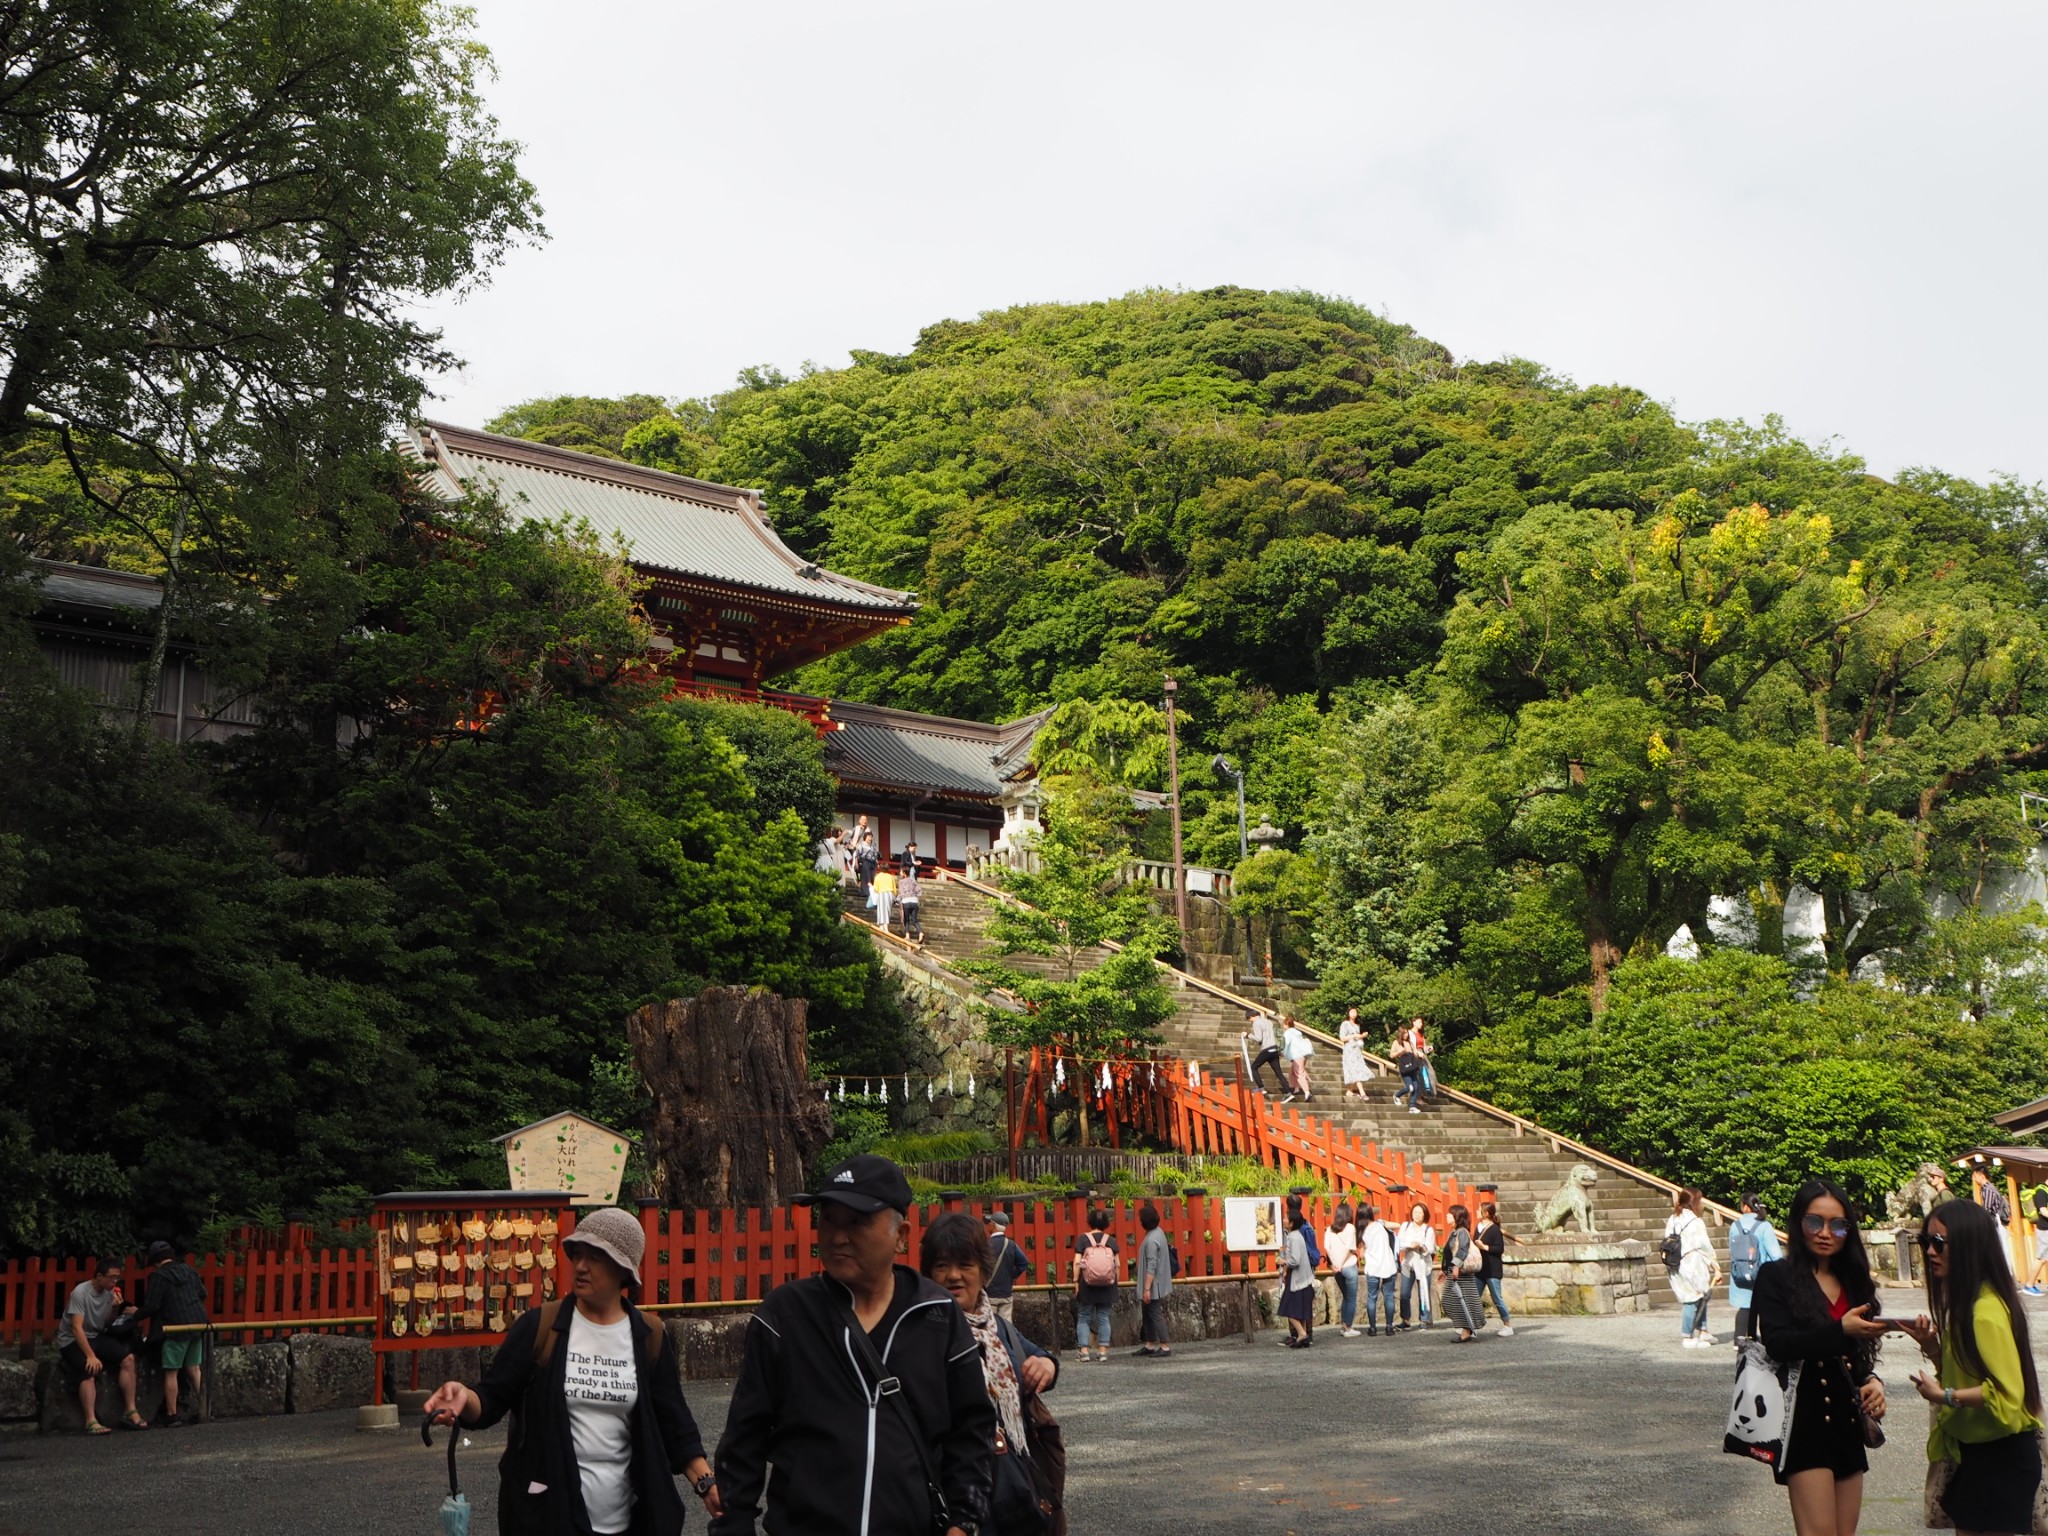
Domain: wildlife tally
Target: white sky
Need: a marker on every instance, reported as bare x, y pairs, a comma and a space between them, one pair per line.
1833, 212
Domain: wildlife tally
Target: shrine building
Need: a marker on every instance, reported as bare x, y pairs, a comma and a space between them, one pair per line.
735, 608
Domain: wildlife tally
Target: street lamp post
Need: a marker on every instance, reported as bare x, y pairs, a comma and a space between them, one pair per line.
1222, 765
1180, 873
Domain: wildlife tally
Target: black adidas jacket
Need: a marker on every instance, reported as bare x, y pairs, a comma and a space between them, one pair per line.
844, 1463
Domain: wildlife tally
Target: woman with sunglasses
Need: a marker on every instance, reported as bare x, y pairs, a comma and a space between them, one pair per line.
1986, 1395
1815, 1309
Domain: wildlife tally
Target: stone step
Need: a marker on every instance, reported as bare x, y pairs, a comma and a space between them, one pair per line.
1446, 1137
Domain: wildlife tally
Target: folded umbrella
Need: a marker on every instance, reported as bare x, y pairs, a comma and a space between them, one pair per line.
454, 1508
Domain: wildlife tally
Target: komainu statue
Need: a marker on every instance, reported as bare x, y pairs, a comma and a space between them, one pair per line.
1573, 1199
1928, 1188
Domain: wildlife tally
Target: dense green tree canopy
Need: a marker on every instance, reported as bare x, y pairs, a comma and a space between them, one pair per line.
1529, 672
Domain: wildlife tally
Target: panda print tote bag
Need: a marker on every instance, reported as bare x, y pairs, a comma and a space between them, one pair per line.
1757, 1418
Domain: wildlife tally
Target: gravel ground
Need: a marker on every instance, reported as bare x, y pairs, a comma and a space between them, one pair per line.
1575, 1427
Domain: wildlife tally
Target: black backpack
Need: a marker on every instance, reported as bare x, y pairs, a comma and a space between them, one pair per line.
1670, 1249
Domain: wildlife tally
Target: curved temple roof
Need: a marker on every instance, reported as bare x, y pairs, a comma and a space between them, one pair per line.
895, 749
671, 523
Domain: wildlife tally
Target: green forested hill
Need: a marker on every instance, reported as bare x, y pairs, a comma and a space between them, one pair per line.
1528, 671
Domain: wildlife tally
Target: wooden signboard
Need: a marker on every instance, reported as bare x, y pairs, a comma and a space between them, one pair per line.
1251, 1223
567, 1151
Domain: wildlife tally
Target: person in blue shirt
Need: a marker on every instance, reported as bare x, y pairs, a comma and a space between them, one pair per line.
1751, 1245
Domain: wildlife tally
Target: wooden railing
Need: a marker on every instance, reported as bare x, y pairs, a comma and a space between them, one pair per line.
1154, 873
1520, 1125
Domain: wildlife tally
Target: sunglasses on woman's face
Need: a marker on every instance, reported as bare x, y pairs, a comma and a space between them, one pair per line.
1834, 1226
1933, 1242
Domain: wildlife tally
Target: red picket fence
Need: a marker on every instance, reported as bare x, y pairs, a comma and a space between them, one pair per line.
1215, 1118
1227, 1119
317, 1290
707, 1258
712, 1259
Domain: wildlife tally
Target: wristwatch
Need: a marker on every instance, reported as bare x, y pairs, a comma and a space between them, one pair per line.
703, 1484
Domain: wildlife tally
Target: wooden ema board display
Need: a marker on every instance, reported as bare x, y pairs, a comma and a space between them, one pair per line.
457, 1268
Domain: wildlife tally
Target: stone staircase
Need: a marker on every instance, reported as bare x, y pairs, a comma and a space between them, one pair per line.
1468, 1139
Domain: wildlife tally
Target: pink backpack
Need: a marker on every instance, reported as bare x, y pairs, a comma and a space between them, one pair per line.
1098, 1261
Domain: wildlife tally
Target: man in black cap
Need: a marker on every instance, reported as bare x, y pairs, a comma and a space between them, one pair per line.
863, 1387
174, 1296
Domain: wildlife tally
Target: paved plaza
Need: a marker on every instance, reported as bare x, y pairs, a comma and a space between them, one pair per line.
1576, 1427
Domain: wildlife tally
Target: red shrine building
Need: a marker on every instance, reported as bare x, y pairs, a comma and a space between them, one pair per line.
735, 608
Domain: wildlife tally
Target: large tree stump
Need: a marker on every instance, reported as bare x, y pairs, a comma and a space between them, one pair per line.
737, 1120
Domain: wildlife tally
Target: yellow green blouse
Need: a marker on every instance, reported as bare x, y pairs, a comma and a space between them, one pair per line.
2004, 1411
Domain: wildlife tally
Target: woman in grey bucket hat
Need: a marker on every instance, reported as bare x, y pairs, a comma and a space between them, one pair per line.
601, 1429
613, 1233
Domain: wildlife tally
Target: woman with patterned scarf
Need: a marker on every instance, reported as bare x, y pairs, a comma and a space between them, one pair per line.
955, 1255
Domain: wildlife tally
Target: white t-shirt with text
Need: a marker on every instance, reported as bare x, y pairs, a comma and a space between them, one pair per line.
601, 1388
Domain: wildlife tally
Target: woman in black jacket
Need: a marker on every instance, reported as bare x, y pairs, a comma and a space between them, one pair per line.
600, 1430
1815, 1310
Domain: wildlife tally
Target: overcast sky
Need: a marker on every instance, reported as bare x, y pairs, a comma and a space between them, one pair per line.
1832, 212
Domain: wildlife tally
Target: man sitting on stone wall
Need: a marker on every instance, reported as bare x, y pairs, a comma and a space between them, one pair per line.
89, 1351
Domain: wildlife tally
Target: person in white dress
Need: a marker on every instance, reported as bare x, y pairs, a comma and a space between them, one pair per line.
1357, 1073
1698, 1271
1415, 1251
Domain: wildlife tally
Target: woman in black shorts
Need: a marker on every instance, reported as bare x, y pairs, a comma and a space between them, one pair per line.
1816, 1311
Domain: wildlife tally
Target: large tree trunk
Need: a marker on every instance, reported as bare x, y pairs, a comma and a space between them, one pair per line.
737, 1120
1602, 953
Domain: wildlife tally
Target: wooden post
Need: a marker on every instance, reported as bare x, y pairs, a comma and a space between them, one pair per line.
1244, 1296
1243, 1109
2022, 1266
1010, 1105
1180, 873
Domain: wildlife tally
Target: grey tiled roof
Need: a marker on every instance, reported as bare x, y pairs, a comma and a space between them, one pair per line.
670, 523
894, 748
91, 586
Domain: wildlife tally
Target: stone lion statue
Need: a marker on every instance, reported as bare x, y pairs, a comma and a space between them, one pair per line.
1573, 1200
1927, 1189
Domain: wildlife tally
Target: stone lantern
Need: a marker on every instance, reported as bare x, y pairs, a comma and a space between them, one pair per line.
1022, 804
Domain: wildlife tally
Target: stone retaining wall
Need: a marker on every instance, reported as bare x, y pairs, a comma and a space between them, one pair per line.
710, 1344
301, 1373
316, 1373
1545, 1277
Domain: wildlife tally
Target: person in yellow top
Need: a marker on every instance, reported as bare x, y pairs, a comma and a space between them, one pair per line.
882, 892
1987, 1396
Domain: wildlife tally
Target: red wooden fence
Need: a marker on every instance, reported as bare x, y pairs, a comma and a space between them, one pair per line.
257, 1287
709, 1258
